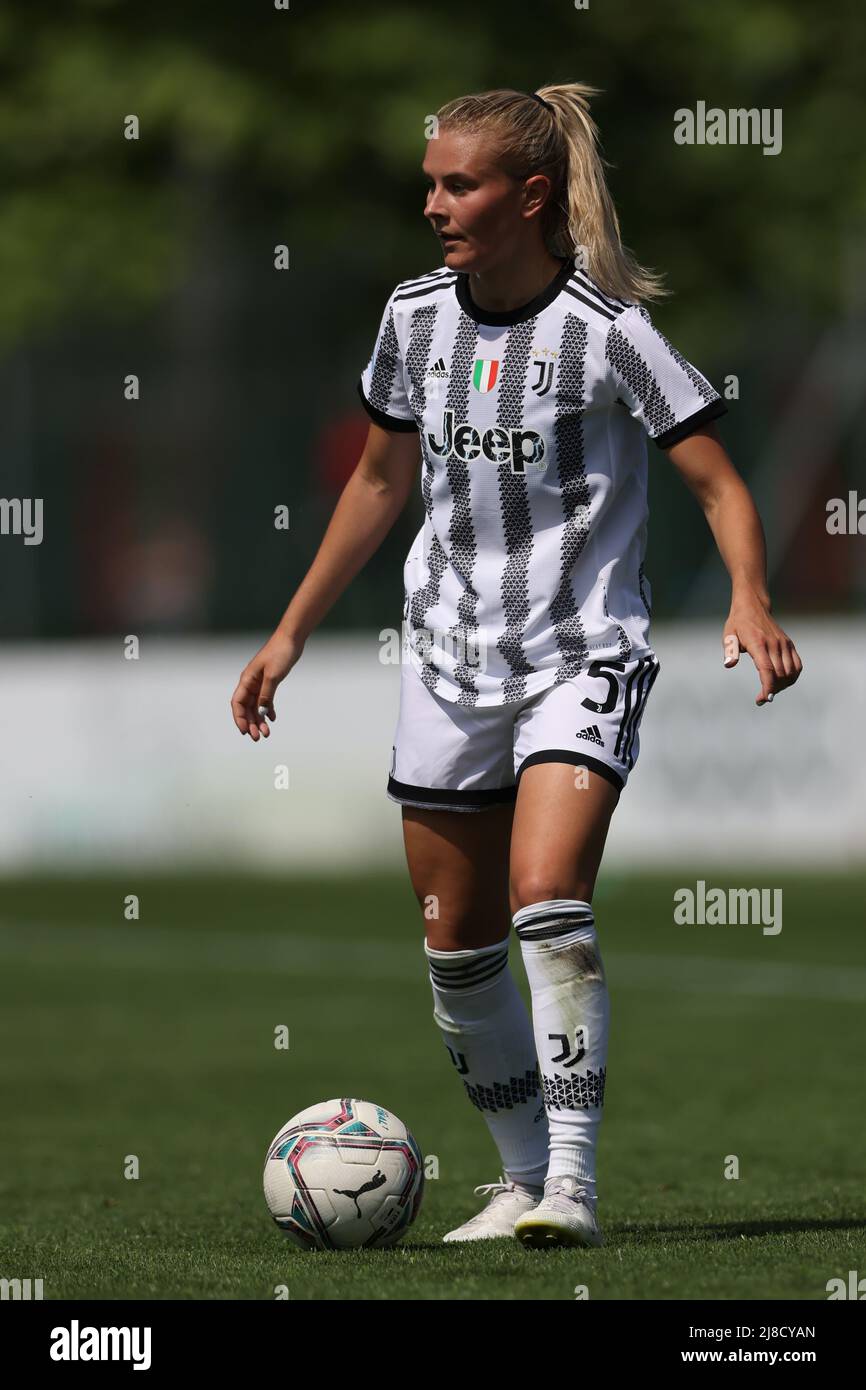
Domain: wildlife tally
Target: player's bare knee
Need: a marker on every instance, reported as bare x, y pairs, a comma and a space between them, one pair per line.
533, 887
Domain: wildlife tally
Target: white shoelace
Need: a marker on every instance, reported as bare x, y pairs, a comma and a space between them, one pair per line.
495, 1187
570, 1189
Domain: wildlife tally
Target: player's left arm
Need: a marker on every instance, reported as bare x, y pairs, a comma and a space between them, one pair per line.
703, 463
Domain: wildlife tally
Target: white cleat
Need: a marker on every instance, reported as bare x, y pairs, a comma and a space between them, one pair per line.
497, 1219
564, 1216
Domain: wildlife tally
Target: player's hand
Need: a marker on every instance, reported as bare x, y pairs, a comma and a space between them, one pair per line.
259, 679
751, 628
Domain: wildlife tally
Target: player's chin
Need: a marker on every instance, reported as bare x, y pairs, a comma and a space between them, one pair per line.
457, 253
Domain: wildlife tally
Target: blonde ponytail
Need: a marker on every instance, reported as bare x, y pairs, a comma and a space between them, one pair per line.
562, 142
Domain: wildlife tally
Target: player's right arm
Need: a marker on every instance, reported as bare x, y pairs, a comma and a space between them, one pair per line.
369, 504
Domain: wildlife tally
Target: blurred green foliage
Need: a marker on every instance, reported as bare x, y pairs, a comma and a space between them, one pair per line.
316, 115
305, 126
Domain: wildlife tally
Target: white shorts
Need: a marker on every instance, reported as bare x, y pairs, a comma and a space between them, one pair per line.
454, 758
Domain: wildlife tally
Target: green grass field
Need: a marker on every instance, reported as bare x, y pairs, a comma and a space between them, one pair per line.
155, 1038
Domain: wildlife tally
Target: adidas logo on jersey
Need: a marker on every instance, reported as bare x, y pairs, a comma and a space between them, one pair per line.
593, 733
499, 445
432, 378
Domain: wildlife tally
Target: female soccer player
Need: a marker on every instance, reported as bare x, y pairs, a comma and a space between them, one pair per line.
524, 376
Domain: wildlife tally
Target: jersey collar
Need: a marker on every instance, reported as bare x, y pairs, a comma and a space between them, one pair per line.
506, 317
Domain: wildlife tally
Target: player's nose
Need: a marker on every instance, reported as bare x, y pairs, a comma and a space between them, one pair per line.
433, 208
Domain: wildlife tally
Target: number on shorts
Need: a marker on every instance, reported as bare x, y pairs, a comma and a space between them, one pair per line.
600, 670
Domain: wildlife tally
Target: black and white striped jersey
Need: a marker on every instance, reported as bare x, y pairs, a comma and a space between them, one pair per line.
533, 427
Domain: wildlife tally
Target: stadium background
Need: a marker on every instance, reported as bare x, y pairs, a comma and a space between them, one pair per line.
261, 906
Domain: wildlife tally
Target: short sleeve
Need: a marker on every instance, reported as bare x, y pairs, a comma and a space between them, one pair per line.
382, 386
669, 396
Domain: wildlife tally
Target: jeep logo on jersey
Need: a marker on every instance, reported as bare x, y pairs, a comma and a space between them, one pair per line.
517, 447
485, 374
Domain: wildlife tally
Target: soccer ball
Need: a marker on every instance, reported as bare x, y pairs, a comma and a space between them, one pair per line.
344, 1174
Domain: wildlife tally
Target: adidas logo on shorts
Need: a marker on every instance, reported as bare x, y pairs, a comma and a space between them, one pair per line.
593, 733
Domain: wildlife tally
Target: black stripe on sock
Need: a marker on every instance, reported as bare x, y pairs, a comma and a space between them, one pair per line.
556, 921
467, 969
468, 974
550, 930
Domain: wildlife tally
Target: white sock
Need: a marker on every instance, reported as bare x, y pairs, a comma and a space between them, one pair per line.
570, 1014
487, 1031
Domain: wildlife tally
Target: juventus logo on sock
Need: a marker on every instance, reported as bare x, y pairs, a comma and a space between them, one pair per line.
580, 1046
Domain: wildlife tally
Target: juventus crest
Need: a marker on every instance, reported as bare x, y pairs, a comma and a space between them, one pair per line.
544, 379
